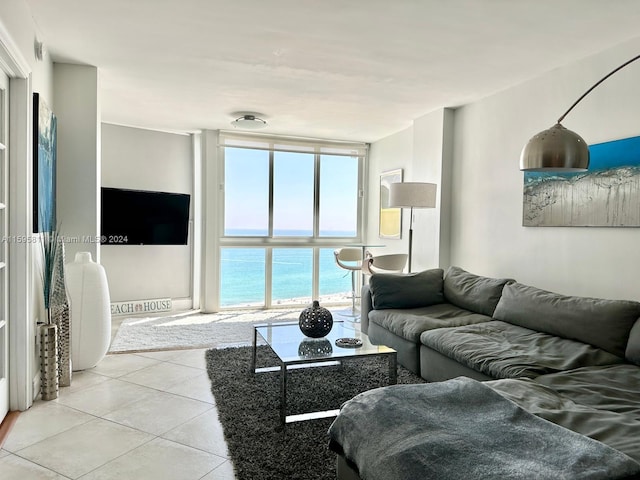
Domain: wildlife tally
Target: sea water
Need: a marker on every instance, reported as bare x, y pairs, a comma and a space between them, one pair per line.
243, 275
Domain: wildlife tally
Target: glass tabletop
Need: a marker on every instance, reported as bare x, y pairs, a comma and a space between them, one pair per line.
364, 245
292, 346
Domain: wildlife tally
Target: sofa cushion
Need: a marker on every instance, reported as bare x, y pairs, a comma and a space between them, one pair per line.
619, 430
610, 387
408, 351
396, 290
410, 323
473, 292
603, 323
501, 350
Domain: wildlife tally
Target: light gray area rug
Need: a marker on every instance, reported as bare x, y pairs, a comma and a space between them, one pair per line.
212, 330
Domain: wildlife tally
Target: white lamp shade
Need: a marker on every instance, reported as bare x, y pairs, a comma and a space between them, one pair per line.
412, 194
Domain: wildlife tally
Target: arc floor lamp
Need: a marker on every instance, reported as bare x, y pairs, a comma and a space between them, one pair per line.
412, 195
558, 148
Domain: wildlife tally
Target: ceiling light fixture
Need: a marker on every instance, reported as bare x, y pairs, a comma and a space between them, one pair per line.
558, 149
249, 122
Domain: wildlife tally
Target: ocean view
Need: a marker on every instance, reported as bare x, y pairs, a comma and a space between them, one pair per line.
243, 275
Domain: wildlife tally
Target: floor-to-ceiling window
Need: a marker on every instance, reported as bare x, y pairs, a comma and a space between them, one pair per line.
288, 203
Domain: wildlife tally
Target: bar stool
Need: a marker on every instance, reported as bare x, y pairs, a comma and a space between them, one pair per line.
389, 263
350, 258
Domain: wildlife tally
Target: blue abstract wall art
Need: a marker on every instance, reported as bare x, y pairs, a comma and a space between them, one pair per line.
607, 195
44, 166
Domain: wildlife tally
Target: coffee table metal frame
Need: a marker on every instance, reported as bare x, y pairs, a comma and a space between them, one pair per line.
284, 340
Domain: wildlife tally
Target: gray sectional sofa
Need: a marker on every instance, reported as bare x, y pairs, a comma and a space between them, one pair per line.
572, 363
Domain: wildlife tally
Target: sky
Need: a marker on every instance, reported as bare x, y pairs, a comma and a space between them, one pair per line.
247, 191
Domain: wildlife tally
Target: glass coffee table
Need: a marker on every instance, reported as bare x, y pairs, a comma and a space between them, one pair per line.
295, 350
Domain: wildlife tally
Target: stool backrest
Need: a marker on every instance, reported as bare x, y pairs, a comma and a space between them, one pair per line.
393, 262
351, 255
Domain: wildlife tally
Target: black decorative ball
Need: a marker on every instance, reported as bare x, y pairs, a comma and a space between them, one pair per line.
315, 348
315, 321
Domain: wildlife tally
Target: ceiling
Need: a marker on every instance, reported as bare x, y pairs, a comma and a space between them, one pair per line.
353, 70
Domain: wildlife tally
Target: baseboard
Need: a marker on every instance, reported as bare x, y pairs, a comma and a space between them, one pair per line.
6, 426
181, 304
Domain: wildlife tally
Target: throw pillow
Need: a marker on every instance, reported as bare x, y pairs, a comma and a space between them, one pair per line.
602, 323
473, 292
413, 290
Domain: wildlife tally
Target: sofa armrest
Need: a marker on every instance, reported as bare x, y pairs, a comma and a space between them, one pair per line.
366, 305
633, 344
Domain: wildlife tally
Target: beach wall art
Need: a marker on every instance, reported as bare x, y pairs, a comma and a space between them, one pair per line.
607, 195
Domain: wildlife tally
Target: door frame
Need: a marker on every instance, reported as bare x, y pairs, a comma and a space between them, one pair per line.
20, 265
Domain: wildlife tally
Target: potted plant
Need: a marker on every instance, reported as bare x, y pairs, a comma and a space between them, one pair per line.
57, 322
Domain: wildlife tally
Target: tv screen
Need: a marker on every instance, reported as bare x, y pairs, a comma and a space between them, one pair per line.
139, 217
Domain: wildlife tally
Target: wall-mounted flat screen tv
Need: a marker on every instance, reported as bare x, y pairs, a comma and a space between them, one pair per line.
140, 217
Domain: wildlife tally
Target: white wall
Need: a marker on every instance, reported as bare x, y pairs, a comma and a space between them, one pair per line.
390, 153
432, 150
473, 154
147, 160
487, 233
15, 17
423, 151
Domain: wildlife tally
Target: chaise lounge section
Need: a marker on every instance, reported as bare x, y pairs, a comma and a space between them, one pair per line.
571, 362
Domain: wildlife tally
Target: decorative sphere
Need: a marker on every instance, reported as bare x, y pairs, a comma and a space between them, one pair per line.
316, 321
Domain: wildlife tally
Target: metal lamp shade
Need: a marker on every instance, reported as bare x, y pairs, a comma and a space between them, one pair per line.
555, 149
558, 149
412, 194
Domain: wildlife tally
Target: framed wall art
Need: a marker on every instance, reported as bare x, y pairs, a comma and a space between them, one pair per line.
44, 166
606, 195
390, 217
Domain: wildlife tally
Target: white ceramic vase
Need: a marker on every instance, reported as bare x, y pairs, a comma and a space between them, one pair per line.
90, 307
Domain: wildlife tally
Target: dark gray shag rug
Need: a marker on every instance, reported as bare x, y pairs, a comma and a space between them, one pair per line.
248, 407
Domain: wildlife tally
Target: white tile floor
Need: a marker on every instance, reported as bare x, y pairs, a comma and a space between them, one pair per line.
133, 417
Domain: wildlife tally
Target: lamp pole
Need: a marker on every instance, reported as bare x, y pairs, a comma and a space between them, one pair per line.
596, 84
410, 236
558, 148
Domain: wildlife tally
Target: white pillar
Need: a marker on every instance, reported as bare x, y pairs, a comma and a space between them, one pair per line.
77, 107
211, 221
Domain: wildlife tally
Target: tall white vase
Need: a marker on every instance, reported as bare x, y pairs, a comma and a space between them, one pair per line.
90, 307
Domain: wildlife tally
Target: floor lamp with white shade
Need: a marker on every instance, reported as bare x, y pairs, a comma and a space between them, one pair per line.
412, 195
